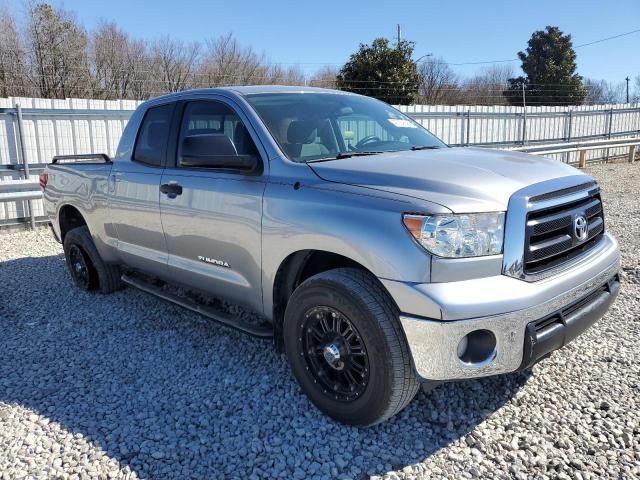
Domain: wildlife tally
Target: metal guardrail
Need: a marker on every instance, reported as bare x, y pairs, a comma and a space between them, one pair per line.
546, 141
33, 167
582, 147
19, 190
577, 146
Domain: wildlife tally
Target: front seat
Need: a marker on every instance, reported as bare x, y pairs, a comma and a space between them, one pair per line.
299, 133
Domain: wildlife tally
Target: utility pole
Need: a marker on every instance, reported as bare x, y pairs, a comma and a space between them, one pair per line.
524, 116
398, 34
627, 79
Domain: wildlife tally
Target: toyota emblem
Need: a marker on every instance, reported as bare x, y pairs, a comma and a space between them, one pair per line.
580, 228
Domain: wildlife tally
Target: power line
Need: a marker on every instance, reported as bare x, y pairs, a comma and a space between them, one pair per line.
606, 39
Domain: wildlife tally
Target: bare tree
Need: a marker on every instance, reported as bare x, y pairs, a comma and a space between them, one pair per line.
438, 82
57, 53
595, 90
486, 87
226, 62
614, 92
601, 91
326, 77
174, 63
12, 57
142, 84
278, 75
117, 62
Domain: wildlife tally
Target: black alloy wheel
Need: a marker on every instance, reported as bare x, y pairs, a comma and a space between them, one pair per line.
346, 347
79, 267
87, 269
334, 353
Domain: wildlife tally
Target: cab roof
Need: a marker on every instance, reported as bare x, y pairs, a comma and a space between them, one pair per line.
252, 89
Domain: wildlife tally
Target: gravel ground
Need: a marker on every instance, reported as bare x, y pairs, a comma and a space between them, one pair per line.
128, 386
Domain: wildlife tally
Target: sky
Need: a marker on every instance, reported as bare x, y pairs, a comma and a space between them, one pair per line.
312, 34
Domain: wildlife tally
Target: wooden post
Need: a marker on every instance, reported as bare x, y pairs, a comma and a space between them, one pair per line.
632, 153
582, 162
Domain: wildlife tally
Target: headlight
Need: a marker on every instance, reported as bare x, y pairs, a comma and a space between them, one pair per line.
457, 236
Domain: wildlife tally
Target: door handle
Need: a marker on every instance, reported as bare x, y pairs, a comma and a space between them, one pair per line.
171, 189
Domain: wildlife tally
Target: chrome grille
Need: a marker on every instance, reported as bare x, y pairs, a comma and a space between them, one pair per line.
550, 237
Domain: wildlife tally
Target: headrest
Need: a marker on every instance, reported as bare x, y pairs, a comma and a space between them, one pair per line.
202, 131
301, 131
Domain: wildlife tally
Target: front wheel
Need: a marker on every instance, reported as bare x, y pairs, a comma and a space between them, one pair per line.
347, 349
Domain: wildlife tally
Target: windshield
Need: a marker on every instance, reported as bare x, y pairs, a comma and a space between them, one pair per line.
320, 126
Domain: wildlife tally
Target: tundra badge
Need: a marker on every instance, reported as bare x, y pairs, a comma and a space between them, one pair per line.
214, 261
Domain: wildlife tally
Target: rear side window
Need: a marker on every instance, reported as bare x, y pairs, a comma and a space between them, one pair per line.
152, 139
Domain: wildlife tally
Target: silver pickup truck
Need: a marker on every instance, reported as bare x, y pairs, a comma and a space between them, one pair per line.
377, 257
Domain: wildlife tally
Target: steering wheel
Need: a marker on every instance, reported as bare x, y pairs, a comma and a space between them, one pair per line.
368, 139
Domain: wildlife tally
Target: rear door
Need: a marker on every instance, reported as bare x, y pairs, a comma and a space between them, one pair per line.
134, 201
212, 217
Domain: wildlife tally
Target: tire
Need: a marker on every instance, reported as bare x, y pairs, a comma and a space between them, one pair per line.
343, 299
87, 269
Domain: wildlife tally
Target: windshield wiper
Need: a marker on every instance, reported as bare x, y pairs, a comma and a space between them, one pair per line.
354, 154
425, 147
342, 155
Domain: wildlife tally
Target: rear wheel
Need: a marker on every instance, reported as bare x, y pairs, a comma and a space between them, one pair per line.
87, 269
347, 349
80, 268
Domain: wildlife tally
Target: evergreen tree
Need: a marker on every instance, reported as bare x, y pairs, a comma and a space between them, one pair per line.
549, 63
382, 71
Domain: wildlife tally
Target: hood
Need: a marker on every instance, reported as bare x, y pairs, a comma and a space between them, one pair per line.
462, 179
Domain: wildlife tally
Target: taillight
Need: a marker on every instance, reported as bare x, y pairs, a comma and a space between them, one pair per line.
44, 178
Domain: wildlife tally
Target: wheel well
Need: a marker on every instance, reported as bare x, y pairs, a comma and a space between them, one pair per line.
294, 270
69, 218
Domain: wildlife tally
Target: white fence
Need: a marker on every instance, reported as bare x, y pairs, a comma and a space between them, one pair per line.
505, 126
74, 126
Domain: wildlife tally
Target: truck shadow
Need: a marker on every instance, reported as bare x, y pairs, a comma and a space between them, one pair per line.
172, 395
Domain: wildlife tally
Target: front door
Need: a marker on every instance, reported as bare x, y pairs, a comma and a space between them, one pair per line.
212, 217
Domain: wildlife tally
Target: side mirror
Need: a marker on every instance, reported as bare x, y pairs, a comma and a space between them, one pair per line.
214, 150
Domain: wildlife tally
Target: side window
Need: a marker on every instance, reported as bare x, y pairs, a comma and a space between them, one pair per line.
151, 143
219, 122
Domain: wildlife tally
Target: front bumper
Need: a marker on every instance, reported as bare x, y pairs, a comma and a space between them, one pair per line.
553, 312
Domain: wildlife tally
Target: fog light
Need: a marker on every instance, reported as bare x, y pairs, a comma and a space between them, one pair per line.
462, 346
477, 348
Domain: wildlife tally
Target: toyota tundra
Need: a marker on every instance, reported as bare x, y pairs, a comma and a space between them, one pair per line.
376, 256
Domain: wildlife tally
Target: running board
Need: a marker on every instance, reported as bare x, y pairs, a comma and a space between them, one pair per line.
209, 312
